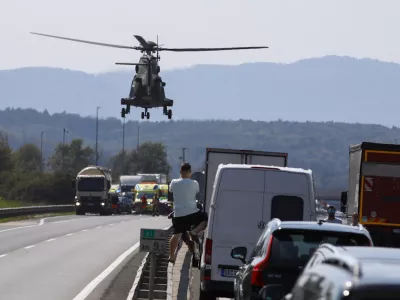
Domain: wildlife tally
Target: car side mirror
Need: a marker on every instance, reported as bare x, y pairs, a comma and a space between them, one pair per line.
343, 202
239, 253
73, 184
271, 292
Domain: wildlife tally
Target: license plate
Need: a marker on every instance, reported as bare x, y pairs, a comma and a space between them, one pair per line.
228, 272
90, 204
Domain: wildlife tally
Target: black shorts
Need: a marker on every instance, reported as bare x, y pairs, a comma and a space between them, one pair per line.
182, 224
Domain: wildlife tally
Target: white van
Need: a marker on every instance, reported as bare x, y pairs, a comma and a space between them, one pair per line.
245, 198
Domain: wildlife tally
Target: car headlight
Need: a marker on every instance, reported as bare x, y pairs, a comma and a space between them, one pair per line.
102, 203
77, 203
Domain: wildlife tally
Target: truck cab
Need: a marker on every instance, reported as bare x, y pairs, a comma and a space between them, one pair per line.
92, 185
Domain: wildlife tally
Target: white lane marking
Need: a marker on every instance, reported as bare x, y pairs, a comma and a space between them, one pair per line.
99, 226
50, 240
28, 247
84, 230
69, 234
110, 224
95, 282
3, 255
41, 222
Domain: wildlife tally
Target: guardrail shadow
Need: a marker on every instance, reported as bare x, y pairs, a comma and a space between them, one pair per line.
185, 277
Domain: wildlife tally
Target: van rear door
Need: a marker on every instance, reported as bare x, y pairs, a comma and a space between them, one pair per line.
287, 196
236, 218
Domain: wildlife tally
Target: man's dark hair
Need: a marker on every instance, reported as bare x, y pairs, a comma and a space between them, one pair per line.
331, 207
186, 167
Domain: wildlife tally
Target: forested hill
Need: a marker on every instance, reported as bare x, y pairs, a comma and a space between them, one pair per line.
320, 146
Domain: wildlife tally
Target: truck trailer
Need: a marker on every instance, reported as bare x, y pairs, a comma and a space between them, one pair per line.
374, 190
92, 185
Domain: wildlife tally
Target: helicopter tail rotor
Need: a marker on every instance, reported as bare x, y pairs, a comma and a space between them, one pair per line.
142, 41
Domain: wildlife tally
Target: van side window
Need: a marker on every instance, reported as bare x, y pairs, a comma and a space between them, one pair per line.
287, 208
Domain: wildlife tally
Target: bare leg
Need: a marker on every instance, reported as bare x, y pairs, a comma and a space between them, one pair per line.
199, 228
173, 245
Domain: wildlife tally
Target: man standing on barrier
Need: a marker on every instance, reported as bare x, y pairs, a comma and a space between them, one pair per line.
186, 213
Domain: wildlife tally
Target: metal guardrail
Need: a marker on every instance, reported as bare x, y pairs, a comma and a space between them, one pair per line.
33, 210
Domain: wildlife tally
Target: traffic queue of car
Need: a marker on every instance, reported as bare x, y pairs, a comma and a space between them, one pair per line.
144, 198
275, 246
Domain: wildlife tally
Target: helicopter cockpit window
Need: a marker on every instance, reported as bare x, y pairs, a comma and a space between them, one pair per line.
154, 67
142, 69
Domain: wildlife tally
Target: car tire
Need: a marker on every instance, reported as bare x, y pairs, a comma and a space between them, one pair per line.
206, 295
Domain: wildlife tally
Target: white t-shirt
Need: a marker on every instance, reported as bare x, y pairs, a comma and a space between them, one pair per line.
184, 191
335, 220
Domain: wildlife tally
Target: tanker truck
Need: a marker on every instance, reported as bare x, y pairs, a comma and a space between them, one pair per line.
92, 185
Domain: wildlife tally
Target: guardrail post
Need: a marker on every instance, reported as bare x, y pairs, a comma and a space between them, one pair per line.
154, 241
152, 275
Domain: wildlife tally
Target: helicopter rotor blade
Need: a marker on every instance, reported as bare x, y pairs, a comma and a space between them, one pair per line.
209, 49
130, 64
142, 41
87, 42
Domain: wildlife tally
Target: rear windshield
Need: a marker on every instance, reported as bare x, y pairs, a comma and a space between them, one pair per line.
287, 208
294, 247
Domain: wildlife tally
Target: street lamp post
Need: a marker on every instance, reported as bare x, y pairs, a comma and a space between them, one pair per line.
123, 143
138, 137
41, 151
97, 134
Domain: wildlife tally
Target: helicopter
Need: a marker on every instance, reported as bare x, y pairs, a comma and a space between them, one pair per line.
147, 88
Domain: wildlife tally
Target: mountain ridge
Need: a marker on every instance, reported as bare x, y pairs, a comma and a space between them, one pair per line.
341, 89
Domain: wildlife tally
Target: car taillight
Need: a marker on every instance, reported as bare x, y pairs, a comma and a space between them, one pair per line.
208, 252
256, 275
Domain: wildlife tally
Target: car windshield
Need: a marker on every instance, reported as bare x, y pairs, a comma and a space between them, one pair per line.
90, 184
294, 247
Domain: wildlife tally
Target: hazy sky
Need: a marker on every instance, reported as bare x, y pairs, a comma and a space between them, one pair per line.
293, 29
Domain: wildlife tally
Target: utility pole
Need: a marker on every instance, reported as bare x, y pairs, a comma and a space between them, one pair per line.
41, 151
138, 135
64, 132
123, 143
183, 155
97, 134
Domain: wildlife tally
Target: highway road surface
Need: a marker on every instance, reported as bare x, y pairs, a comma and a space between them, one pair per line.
66, 258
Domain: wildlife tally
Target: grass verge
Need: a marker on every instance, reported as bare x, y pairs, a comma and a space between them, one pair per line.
32, 217
15, 203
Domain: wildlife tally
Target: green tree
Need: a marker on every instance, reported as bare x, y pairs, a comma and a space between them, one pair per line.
27, 158
5, 154
72, 157
151, 158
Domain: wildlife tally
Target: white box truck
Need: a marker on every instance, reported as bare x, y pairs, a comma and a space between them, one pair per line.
217, 156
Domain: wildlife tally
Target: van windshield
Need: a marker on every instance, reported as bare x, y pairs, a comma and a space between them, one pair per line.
293, 248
